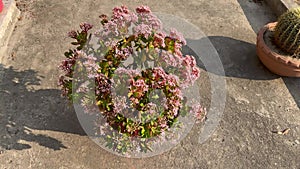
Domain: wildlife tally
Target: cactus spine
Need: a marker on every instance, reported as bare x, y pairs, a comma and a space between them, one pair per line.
287, 32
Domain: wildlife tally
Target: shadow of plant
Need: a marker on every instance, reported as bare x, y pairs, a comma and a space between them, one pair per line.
238, 58
23, 110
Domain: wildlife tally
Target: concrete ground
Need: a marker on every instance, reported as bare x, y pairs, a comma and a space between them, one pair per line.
38, 129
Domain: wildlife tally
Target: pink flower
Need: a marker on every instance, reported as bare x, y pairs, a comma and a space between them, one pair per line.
64, 85
123, 17
137, 89
172, 80
146, 17
110, 28
102, 84
143, 10
61, 81
103, 17
119, 11
91, 62
139, 85
189, 61
199, 112
135, 101
130, 72
110, 43
72, 34
143, 29
154, 22
176, 104
86, 26
83, 88
151, 107
89, 106
177, 49
185, 75
177, 35
163, 123
158, 72
175, 110
124, 53
102, 130
133, 17
119, 103
170, 59
68, 64
195, 73
177, 92
159, 39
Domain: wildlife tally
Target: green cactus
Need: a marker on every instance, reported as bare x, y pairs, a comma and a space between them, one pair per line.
287, 32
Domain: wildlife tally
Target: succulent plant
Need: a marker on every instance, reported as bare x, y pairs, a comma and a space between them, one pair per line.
287, 32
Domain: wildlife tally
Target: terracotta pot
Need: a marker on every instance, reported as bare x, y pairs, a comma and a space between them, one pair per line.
276, 63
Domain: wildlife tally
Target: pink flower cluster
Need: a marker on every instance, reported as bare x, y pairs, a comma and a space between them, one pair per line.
85, 26
138, 88
145, 16
122, 73
172, 72
91, 66
143, 10
103, 85
188, 72
143, 21
119, 23
124, 53
67, 65
123, 17
119, 104
199, 112
177, 36
63, 82
158, 79
159, 39
146, 24
143, 29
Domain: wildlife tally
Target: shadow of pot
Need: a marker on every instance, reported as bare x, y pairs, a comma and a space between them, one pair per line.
276, 63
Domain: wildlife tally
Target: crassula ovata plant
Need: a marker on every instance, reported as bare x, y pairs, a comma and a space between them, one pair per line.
141, 98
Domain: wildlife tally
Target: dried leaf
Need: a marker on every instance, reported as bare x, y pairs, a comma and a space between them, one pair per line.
283, 132
286, 131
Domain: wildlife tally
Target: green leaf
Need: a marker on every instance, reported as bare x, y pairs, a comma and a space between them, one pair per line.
109, 145
155, 97
142, 131
119, 147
